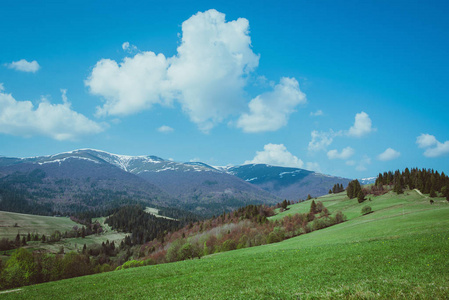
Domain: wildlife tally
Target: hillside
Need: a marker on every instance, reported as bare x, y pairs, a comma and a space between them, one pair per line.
13, 223
398, 251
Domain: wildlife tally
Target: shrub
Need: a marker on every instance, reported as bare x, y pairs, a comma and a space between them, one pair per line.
339, 217
366, 210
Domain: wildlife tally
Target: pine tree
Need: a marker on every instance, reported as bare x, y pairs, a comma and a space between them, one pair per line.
313, 207
361, 196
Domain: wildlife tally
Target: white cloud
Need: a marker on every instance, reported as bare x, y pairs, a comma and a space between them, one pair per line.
207, 77
137, 83
321, 139
362, 166
317, 113
388, 154
165, 129
57, 121
362, 125
270, 111
426, 140
344, 154
434, 148
126, 46
2, 88
277, 155
24, 66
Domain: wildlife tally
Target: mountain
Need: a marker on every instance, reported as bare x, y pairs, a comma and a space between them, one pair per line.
90, 179
73, 181
368, 180
284, 182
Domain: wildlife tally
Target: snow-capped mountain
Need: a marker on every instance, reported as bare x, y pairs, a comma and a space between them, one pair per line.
367, 180
69, 177
285, 182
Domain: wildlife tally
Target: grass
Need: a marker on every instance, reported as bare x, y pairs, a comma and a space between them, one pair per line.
47, 225
398, 251
31, 223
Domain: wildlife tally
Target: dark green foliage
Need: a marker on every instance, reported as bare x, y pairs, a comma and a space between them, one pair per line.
338, 188
309, 197
143, 227
427, 181
366, 210
313, 209
284, 204
353, 189
361, 196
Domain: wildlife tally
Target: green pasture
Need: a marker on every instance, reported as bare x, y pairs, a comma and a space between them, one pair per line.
400, 251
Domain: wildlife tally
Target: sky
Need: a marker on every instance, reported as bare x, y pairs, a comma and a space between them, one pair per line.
349, 88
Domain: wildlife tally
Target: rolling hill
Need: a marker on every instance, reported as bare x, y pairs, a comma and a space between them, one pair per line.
398, 251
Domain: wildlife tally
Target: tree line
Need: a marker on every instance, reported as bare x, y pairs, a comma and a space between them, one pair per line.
428, 181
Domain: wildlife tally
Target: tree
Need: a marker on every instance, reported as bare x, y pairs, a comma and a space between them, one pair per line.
432, 192
309, 197
313, 209
361, 196
20, 269
284, 204
17, 243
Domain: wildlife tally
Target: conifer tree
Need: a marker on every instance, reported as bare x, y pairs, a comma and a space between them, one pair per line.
361, 196
313, 207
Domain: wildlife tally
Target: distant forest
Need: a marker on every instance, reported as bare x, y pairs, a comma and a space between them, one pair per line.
427, 181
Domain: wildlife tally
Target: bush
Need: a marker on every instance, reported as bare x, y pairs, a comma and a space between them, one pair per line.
339, 217
366, 210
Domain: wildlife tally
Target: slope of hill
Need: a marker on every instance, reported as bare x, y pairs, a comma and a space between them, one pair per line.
13, 223
398, 251
287, 183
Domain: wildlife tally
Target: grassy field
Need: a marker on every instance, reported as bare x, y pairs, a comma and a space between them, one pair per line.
47, 225
398, 251
31, 223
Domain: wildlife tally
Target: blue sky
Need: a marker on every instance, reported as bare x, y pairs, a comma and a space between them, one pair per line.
347, 88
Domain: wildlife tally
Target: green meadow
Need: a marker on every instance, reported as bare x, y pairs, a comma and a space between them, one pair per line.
399, 251
31, 223
13, 223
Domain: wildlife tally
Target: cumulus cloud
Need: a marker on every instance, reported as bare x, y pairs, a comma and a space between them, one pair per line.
426, 140
57, 121
165, 129
434, 148
24, 66
362, 125
321, 139
388, 154
135, 84
316, 113
207, 77
344, 154
270, 111
277, 155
